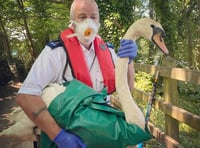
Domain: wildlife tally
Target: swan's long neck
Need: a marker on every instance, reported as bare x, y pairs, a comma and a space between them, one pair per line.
141, 28
131, 33
132, 112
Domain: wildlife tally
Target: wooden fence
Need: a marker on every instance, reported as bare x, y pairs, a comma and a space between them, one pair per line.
173, 114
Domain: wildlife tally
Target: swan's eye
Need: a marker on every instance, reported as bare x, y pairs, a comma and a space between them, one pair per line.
157, 30
152, 26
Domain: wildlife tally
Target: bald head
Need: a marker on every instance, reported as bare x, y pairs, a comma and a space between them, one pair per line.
82, 9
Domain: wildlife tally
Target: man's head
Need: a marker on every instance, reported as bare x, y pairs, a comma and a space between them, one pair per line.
84, 15
82, 9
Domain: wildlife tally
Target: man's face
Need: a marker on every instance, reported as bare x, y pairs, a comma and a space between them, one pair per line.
86, 10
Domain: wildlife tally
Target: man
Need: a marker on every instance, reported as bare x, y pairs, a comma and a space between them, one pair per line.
50, 68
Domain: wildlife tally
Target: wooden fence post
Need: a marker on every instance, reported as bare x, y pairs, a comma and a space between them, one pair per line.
170, 96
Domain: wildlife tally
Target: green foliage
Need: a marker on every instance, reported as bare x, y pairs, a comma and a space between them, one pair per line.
116, 17
46, 19
44, 25
189, 98
168, 20
181, 21
189, 137
192, 91
143, 81
188, 31
144, 47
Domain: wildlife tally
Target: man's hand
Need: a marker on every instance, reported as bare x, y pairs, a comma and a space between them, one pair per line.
127, 49
66, 139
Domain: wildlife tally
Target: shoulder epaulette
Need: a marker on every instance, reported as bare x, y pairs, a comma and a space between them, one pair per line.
110, 45
54, 44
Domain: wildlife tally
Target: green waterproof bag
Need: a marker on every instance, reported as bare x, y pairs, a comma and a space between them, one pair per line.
85, 113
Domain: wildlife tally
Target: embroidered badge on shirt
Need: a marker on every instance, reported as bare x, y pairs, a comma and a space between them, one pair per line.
103, 46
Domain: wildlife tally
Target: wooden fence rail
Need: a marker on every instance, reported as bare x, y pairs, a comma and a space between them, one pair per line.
173, 114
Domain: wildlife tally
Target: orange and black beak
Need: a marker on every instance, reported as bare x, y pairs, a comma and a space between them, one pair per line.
158, 39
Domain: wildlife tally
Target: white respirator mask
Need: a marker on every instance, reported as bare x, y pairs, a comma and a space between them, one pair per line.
86, 30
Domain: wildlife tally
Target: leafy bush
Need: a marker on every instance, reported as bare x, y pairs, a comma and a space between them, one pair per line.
191, 90
143, 81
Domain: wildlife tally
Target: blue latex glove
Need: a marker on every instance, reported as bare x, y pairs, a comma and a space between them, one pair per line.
66, 139
127, 49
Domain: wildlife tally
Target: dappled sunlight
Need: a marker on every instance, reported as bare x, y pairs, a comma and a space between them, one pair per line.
189, 135
7, 104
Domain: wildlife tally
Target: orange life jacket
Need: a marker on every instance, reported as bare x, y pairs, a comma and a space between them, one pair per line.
78, 64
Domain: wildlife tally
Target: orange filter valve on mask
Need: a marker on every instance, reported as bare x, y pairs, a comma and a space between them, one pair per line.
86, 30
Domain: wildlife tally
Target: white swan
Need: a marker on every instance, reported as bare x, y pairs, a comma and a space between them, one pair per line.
152, 31
23, 128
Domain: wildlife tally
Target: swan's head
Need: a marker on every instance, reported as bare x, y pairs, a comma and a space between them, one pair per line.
149, 29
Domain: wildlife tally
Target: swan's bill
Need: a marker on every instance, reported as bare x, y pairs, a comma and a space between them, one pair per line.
159, 41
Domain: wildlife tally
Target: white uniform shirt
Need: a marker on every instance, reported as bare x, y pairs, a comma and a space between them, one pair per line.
49, 67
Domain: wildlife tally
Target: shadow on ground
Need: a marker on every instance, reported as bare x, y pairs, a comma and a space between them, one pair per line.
7, 105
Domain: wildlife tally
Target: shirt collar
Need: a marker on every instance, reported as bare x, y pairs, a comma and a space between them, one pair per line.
90, 50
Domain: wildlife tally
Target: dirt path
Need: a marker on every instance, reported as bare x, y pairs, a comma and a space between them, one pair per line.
7, 104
